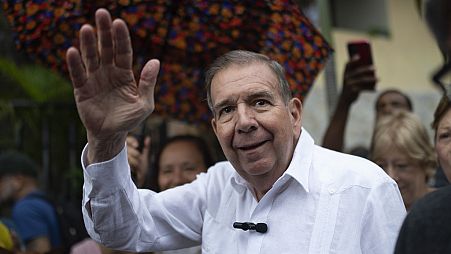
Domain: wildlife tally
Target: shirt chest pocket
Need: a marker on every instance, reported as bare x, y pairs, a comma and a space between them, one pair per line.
325, 222
217, 237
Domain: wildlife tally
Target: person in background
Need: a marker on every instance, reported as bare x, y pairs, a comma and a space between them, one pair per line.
442, 127
356, 79
401, 146
296, 195
34, 218
179, 161
391, 101
426, 229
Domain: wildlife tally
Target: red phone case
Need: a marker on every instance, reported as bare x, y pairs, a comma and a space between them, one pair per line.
362, 49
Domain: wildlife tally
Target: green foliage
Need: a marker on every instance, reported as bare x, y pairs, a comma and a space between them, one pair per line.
38, 83
38, 117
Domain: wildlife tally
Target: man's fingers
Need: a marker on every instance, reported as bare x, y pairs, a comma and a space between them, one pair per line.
147, 81
104, 34
123, 46
77, 71
88, 47
360, 71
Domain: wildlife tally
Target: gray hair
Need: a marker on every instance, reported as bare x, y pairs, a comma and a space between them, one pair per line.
243, 57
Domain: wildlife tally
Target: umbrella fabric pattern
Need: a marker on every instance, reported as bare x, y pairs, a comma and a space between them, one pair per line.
186, 36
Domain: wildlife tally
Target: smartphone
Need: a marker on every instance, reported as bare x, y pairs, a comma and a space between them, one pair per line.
361, 48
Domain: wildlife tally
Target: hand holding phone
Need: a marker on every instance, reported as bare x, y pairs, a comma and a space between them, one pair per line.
362, 49
359, 73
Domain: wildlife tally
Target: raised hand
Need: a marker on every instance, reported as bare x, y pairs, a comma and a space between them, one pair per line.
109, 101
356, 79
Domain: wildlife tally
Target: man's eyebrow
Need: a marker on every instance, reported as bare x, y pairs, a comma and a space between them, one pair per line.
222, 104
260, 94
249, 97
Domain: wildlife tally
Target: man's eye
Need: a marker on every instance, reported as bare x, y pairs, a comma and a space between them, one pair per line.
226, 110
261, 103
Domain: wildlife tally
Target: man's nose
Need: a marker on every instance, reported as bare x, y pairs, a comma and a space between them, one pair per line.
246, 121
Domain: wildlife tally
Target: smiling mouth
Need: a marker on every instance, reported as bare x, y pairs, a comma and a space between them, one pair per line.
251, 147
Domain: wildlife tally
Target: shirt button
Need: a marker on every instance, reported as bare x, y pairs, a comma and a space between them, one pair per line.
331, 190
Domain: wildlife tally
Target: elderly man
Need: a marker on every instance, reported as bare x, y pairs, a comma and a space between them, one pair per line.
277, 193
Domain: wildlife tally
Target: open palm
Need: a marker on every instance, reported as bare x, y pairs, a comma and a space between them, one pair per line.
109, 100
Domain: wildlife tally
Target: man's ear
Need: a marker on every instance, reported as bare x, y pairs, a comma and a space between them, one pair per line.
213, 125
295, 107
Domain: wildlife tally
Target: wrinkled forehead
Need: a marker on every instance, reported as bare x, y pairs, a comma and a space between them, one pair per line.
239, 79
243, 74
246, 68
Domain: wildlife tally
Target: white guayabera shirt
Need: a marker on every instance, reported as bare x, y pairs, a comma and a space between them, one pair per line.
325, 202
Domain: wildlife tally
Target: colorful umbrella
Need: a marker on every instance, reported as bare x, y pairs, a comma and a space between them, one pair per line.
185, 35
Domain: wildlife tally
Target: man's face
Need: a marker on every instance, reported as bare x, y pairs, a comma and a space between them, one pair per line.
390, 103
256, 129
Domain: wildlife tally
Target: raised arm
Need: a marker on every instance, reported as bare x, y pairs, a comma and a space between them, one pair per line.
109, 100
356, 79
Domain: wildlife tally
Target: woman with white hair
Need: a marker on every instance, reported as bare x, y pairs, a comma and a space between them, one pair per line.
401, 146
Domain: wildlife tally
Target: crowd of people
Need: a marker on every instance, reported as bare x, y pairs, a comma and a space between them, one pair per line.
277, 191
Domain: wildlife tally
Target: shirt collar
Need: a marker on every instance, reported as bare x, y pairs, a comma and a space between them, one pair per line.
301, 162
238, 182
299, 167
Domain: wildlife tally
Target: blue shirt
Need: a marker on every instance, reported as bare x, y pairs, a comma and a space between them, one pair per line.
35, 217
